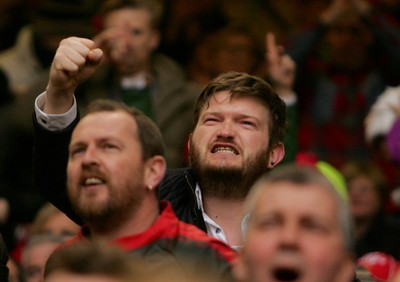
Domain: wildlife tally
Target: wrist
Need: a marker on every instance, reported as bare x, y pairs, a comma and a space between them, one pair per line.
57, 101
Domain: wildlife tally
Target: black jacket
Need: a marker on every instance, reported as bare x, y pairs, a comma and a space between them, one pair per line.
178, 187
50, 157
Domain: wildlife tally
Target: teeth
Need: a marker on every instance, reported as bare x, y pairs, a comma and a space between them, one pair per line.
226, 150
93, 181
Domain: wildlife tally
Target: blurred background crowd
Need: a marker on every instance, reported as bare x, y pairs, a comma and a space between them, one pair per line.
344, 109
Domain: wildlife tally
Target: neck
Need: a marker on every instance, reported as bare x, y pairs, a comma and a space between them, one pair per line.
132, 73
227, 214
133, 222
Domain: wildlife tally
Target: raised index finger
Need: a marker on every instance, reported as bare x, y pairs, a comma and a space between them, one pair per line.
272, 48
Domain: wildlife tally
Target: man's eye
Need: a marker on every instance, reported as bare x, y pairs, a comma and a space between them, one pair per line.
109, 146
315, 226
248, 123
210, 120
77, 150
268, 223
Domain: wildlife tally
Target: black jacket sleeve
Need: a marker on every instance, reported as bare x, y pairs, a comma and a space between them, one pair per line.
50, 157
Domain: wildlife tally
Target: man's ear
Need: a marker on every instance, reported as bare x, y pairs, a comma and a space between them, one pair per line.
155, 169
276, 155
155, 40
189, 141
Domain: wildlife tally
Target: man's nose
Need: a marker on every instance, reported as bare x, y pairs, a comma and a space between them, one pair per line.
227, 129
90, 156
290, 235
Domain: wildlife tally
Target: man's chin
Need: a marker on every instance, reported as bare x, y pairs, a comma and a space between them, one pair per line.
222, 165
91, 208
223, 170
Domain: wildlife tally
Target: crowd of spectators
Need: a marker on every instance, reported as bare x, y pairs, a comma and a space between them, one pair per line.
334, 63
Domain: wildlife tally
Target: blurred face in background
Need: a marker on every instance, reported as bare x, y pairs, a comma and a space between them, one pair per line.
364, 198
59, 224
234, 52
128, 39
347, 43
35, 260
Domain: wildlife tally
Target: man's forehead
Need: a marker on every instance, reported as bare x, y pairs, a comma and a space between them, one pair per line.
117, 114
296, 195
107, 120
115, 14
228, 95
222, 98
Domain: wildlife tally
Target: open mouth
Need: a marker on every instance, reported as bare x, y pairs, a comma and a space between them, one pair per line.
224, 149
286, 274
92, 181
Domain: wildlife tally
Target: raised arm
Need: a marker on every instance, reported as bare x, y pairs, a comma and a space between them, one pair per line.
75, 60
280, 67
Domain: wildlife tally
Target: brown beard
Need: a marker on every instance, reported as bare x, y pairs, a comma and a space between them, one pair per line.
227, 182
109, 214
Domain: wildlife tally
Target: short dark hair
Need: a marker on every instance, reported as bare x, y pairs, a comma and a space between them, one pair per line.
150, 137
89, 257
244, 85
154, 7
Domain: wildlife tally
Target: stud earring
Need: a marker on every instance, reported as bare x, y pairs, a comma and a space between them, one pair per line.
150, 188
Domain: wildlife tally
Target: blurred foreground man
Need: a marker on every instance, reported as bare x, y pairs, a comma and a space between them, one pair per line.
299, 229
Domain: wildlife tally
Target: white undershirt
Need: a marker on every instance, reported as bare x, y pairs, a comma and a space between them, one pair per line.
213, 229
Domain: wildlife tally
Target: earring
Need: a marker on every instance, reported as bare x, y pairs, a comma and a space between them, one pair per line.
150, 187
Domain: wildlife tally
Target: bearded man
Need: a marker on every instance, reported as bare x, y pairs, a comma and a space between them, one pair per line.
237, 135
